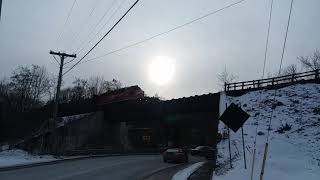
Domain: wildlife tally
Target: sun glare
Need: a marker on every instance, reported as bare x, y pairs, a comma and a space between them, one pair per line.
161, 70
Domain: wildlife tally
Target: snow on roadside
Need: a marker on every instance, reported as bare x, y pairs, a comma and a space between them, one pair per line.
19, 157
293, 154
185, 173
68, 119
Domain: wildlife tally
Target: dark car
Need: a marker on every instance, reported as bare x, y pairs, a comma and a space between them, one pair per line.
205, 151
175, 155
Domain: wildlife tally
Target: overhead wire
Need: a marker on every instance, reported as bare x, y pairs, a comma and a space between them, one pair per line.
103, 36
166, 32
85, 23
94, 7
69, 61
275, 92
106, 23
95, 26
281, 62
55, 59
263, 72
66, 21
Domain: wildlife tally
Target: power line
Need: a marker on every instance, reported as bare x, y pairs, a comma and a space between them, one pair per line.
55, 59
267, 41
274, 97
65, 23
165, 32
281, 61
94, 7
103, 36
263, 71
95, 26
69, 61
285, 39
76, 36
107, 22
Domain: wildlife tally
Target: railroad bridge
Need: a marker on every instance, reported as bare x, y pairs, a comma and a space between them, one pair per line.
125, 121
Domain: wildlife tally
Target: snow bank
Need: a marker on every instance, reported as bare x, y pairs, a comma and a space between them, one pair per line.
68, 119
293, 154
185, 173
19, 157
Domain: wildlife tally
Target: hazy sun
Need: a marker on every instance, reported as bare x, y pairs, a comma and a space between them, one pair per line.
161, 70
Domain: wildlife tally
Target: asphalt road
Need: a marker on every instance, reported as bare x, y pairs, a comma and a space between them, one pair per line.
113, 168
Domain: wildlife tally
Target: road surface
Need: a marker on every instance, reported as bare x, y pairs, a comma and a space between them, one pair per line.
113, 168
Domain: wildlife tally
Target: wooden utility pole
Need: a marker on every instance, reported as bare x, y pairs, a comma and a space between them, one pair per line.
230, 158
56, 102
0, 8
264, 160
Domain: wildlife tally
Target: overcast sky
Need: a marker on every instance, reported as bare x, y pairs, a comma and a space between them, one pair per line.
234, 38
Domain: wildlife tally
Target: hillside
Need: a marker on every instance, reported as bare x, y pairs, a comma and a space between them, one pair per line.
294, 152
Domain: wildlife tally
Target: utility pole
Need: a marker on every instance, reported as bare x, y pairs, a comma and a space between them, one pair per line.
56, 102
0, 8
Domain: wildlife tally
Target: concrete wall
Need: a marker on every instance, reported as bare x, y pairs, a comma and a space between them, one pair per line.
90, 133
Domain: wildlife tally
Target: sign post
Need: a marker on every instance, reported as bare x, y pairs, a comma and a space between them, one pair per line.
244, 150
234, 118
230, 158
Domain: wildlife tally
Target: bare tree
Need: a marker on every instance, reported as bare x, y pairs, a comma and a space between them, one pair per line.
80, 89
4, 87
156, 96
272, 75
311, 62
28, 87
225, 77
290, 70
95, 85
87, 88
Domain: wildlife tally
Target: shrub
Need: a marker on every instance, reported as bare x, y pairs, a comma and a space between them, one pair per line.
295, 102
283, 128
278, 103
316, 110
273, 103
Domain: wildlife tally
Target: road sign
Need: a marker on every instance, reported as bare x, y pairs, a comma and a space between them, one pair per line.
234, 117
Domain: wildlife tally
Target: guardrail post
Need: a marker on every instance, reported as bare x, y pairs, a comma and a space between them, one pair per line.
253, 84
234, 86
225, 86
258, 83
242, 85
292, 78
272, 81
317, 73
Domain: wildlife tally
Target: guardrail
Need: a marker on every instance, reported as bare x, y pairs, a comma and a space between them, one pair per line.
260, 83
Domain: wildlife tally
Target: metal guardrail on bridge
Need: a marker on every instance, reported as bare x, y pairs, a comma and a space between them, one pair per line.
260, 83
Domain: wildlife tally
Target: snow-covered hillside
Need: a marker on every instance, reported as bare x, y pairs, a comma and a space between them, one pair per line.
293, 153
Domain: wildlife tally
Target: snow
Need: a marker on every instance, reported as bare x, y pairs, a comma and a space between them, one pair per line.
67, 119
293, 154
19, 157
185, 173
